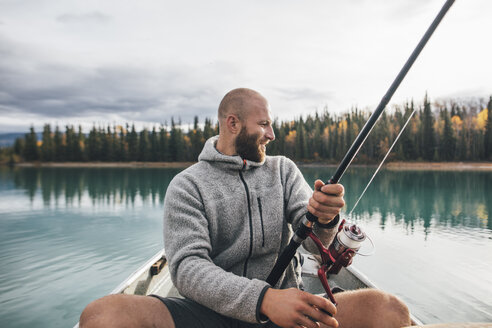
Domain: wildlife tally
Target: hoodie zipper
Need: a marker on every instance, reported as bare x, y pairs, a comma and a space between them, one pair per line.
261, 220
250, 225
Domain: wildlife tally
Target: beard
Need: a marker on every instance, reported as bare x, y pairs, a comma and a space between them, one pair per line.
248, 146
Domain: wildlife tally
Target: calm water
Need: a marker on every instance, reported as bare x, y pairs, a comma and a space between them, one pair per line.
68, 236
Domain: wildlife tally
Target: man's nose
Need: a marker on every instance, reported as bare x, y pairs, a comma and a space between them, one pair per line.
270, 135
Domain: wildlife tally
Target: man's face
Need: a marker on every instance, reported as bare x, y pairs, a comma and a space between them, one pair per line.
256, 132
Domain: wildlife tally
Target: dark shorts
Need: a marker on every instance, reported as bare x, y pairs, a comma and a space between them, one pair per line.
187, 313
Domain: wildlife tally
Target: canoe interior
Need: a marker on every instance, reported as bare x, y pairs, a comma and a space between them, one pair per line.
141, 282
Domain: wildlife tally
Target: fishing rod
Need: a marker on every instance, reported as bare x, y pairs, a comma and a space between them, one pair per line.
349, 238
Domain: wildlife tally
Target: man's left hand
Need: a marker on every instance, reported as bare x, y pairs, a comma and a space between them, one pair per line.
326, 201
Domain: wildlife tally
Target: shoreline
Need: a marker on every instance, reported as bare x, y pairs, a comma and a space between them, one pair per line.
398, 166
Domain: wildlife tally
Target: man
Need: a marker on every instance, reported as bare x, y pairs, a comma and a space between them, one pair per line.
226, 220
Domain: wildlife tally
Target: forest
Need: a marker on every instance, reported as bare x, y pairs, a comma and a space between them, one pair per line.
448, 130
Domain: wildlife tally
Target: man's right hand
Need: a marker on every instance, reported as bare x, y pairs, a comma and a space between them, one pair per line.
294, 308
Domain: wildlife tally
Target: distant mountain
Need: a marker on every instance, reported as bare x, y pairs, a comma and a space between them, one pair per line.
8, 139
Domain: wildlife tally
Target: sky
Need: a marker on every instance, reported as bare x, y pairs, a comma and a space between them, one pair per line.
110, 62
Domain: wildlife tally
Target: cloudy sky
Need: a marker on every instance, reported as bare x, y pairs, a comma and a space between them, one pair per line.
113, 61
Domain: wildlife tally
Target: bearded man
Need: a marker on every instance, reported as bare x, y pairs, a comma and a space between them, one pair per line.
226, 220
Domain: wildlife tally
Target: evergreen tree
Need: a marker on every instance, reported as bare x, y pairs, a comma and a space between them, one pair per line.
79, 146
208, 130
154, 145
448, 140
59, 147
196, 140
123, 153
71, 143
163, 144
132, 139
115, 145
94, 145
31, 151
176, 143
406, 141
488, 132
19, 146
47, 147
144, 146
427, 131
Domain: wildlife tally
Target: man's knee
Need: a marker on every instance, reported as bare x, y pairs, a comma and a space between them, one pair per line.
371, 308
126, 311
397, 311
102, 312
94, 312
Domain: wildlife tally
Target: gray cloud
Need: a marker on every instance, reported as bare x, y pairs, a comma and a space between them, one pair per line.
94, 17
293, 94
51, 90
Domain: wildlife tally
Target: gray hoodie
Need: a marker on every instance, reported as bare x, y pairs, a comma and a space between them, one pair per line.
225, 223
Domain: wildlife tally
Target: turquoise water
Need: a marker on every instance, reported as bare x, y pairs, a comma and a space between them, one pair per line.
68, 236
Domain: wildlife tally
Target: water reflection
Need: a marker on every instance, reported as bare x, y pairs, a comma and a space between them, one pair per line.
410, 197
407, 197
102, 185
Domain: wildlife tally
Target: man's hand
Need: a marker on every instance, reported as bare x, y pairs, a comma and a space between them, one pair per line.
294, 308
327, 201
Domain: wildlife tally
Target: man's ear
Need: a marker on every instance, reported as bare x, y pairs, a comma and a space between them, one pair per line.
233, 124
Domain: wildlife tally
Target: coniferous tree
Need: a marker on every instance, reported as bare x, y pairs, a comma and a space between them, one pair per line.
163, 144
176, 143
19, 145
196, 139
427, 131
71, 143
406, 139
448, 140
47, 147
488, 132
208, 130
94, 145
31, 151
59, 147
154, 145
132, 139
123, 153
144, 146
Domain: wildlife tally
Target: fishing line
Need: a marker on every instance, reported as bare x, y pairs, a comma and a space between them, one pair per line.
382, 162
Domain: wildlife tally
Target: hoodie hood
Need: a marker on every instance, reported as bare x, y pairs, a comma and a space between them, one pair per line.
235, 162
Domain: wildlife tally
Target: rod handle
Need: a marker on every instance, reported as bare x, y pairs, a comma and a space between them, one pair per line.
311, 217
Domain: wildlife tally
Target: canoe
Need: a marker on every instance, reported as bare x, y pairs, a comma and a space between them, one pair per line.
153, 278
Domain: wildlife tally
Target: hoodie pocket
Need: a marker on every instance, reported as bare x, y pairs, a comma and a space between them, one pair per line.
261, 221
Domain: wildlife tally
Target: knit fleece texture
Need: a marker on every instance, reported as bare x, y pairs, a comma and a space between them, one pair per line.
225, 224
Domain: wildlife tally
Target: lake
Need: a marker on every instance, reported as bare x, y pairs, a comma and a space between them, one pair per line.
71, 235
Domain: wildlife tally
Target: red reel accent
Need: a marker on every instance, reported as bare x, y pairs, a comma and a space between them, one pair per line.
331, 261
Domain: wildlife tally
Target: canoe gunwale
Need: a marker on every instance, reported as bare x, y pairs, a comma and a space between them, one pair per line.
138, 273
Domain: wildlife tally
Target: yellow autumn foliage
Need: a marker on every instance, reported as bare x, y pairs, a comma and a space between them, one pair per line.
291, 137
343, 125
457, 122
482, 119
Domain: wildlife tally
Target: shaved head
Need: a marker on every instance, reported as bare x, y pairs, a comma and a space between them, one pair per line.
236, 102
245, 125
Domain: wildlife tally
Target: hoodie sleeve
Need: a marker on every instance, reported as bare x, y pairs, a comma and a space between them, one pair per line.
188, 246
297, 194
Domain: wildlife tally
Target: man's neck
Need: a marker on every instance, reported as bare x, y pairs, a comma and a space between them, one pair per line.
225, 147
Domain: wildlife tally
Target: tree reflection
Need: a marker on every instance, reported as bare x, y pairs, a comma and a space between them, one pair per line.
424, 198
102, 185
427, 199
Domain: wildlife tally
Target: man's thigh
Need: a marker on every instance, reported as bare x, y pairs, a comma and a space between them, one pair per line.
126, 311
189, 314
